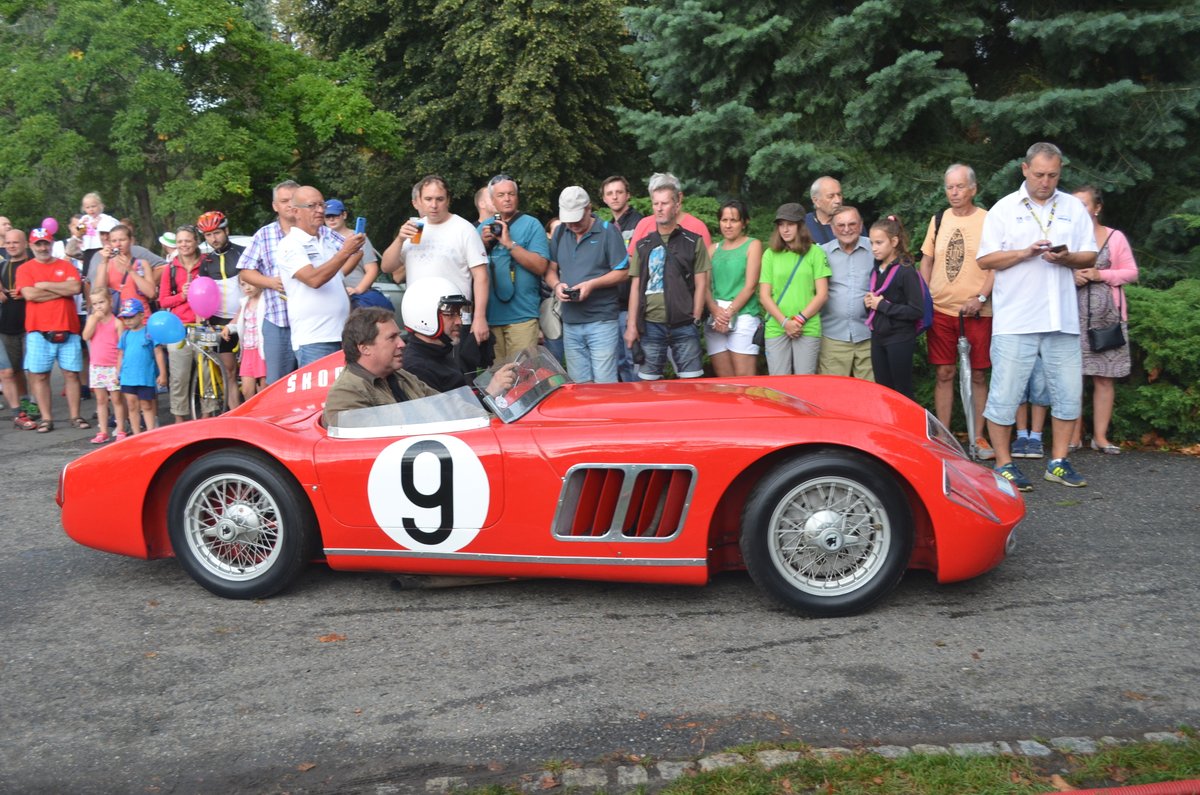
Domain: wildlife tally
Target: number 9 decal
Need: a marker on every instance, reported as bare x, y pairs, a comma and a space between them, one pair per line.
429, 493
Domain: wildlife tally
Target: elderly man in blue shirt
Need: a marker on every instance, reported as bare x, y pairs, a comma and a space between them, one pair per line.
845, 338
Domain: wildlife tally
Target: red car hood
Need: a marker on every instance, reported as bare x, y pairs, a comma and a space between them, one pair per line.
740, 398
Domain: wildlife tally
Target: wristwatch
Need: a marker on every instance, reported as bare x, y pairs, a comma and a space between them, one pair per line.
982, 298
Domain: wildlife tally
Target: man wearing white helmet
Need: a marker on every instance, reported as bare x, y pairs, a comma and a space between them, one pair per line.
373, 375
432, 312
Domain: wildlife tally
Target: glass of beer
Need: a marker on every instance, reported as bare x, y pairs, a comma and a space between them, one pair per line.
416, 239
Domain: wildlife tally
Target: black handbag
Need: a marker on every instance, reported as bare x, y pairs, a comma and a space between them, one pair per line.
1106, 338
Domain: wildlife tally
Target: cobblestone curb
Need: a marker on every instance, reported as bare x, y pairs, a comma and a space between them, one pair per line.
652, 776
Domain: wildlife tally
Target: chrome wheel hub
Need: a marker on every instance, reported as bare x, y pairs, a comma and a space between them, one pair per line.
824, 528
236, 522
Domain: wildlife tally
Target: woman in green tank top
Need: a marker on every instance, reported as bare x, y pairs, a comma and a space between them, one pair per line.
733, 306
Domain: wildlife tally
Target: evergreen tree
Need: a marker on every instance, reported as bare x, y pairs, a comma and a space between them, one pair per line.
757, 99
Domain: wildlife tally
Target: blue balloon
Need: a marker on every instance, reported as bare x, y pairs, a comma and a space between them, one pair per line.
165, 328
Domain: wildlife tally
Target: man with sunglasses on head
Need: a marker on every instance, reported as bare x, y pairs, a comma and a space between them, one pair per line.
518, 255
358, 278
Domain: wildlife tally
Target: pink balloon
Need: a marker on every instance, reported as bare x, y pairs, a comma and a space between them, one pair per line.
50, 225
204, 296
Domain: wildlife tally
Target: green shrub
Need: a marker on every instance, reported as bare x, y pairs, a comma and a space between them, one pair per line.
1161, 397
1163, 392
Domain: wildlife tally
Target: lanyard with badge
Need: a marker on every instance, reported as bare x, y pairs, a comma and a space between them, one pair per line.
1045, 228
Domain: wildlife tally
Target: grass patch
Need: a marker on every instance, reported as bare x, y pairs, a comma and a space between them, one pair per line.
864, 773
946, 774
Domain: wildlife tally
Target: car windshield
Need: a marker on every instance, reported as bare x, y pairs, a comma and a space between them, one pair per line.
535, 373
457, 410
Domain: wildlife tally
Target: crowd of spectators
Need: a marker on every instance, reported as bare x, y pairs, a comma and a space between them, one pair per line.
628, 299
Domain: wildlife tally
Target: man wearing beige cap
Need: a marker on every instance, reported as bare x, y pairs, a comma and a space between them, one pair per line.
587, 264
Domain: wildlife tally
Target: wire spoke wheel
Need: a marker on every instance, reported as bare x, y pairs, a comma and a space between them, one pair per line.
827, 533
232, 526
830, 534
240, 525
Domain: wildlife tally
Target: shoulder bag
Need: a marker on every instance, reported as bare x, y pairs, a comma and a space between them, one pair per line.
1110, 337
760, 334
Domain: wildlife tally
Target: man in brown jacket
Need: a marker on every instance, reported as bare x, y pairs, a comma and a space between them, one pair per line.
374, 357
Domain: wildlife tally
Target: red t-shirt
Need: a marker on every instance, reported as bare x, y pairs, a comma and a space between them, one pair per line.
57, 314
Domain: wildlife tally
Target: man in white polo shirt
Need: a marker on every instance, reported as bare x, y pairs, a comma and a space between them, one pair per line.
311, 269
1033, 239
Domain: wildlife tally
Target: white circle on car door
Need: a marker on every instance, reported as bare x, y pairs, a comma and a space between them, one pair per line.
429, 493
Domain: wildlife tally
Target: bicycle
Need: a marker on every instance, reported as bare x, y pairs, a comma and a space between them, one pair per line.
207, 383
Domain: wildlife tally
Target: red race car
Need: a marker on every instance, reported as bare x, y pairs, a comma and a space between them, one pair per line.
826, 489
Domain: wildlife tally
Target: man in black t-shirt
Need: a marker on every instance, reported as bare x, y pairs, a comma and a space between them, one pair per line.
221, 265
12, 328
615, 192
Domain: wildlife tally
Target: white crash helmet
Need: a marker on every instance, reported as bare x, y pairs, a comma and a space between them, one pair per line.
425, 300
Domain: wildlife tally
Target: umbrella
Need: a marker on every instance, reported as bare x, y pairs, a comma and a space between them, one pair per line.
964, 385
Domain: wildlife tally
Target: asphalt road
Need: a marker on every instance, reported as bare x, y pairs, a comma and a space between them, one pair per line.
120, 675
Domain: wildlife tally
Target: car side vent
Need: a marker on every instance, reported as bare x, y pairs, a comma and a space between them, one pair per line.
630, 501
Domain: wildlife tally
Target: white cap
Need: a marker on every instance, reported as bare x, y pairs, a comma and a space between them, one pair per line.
572, 203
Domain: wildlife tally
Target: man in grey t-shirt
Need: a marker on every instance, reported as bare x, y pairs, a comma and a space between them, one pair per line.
587, 264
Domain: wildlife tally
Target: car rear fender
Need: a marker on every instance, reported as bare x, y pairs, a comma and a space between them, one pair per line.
725, 528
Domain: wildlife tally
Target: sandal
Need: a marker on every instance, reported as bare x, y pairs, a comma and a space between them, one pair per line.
80, 423
23, 422
1107, 449
45, 426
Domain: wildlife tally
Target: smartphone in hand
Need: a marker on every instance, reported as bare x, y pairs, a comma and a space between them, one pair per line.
360, 225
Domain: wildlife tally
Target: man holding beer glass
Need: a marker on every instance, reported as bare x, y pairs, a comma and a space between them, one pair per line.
440, 243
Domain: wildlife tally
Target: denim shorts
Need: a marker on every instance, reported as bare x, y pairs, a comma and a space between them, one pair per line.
684, 344
1036, 391
1014, 357
41, 354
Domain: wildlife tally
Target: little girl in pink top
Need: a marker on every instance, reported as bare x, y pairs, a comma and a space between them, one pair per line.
101, 332
248, 324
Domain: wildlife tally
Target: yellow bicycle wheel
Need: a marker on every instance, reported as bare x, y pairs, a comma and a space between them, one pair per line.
208, 386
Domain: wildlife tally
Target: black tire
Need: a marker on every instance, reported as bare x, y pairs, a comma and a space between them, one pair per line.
195, 401
240, 525
827, 533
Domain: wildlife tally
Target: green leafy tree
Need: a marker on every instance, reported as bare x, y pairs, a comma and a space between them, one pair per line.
167, 109
521, 86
